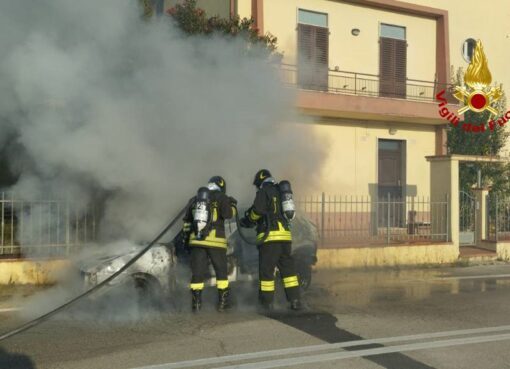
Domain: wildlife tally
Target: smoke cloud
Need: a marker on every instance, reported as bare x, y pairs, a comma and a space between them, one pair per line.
95, 102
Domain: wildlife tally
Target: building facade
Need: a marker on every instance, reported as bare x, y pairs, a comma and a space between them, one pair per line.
368, 72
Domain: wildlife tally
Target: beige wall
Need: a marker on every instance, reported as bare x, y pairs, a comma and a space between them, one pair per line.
244, 8
358, 54
211, 7
352, 162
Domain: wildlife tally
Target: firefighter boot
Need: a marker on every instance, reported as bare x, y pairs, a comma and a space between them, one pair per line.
224, 302
196, 300
265, 302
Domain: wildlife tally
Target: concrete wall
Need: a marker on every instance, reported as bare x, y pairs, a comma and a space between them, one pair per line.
26, 271
502, 248
387, 256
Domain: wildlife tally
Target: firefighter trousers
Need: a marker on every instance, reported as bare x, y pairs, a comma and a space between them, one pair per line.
272, 255
200, 257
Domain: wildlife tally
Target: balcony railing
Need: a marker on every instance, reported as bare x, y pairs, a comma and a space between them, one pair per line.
363, 84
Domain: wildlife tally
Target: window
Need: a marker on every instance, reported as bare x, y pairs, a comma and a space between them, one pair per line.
468, 48
313, 50
390, 31
392, 61
312, 18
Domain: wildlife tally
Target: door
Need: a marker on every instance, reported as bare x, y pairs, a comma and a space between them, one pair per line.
391, 178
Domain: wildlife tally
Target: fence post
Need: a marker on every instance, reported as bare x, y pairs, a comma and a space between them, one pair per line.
447, 220
497, 216
323, 215
388, 221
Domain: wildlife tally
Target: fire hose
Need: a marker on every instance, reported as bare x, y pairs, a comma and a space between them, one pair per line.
243, 237
46, 316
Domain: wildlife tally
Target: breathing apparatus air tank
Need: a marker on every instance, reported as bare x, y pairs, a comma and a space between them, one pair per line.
201, 215
288, 206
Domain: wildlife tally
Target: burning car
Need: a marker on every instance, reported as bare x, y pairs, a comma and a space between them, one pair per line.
159, 271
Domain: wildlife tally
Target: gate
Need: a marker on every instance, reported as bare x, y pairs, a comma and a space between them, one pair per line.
467, 221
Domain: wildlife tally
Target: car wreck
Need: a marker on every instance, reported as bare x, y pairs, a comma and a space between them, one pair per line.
162, 270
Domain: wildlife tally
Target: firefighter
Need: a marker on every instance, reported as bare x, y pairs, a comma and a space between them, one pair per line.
209, 243
274, 233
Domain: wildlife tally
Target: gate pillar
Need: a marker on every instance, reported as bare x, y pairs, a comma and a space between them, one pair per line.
444, 183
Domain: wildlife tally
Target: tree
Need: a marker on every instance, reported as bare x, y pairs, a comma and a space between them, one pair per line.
194, 21
488, 142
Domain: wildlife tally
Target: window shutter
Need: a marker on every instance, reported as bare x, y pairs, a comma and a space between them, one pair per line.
313, 50
392, 67
400, 68
322, 57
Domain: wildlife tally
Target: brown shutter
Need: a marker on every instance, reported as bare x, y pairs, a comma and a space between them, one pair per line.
392, 67
400, 68
313, 55
322, 57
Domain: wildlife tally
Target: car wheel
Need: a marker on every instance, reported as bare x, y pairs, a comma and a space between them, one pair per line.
148, 291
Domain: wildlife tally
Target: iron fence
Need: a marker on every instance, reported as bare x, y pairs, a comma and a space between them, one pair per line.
348, 220
364, 84
498, 217
44, 227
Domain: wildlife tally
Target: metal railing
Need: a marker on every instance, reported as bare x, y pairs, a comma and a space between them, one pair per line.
44, 227
498, 217
364, 84
348, 220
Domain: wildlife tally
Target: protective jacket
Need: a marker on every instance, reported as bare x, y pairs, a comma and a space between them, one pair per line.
267, 213
221, 208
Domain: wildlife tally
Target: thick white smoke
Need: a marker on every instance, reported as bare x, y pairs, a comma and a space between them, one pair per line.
95, 101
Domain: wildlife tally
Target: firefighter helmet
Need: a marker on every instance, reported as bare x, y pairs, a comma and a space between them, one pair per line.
261, 176
219, 182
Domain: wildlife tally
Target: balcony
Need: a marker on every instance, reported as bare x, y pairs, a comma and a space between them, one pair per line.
354, 95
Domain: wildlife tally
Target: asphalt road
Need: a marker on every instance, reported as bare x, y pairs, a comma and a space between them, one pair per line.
407, 319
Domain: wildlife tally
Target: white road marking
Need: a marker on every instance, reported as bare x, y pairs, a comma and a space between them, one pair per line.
323, 347
367, 352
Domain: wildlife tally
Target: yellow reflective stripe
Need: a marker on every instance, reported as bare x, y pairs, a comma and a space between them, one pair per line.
214, 215
275, 236
254, 216
210, 240
290, 279
196, 286
222, 284
267, 285
290, 282
280, 235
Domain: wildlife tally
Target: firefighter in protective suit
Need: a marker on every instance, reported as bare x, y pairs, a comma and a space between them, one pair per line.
274, 232
212, 245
